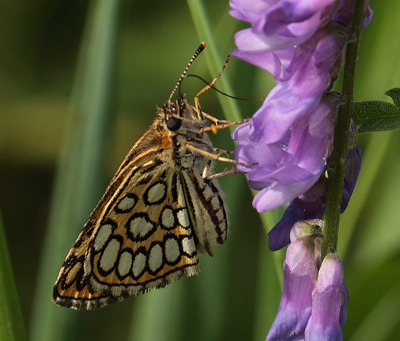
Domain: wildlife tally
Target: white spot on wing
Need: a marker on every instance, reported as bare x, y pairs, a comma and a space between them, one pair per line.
102, 236
155, 257
156, 192
125, 263
110, 255
183, 218
126, 203
172, 250
188, 246
167, 218
138, 264
140, 226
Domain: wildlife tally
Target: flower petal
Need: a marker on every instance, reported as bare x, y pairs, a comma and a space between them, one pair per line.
327, 300
300, 274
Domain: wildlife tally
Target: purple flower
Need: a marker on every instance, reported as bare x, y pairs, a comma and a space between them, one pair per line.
277, 25
315, 297
311, 204
329, 299
344, 13
287, 144
289, 138
288, 167
345, 303
300, 275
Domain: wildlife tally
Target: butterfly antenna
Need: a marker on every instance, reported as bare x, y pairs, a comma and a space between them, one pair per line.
198, 51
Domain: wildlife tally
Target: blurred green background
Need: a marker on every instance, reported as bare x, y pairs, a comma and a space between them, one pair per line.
79, 84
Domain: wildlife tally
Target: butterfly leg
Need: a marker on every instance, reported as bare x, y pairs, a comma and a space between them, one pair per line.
208, 175
220, 151
218, 157
220, 124
223, 173
213, 156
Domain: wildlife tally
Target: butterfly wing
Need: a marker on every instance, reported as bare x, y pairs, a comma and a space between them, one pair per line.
157, 214
143, 240
206, 208
138, 237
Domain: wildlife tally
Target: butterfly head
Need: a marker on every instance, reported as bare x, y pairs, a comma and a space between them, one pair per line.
180, 117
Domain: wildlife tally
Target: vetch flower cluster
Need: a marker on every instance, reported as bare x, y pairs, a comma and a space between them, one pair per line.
315, 296
288, 143
289, 139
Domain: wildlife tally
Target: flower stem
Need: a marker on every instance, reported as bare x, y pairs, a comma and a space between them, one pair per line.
338, 157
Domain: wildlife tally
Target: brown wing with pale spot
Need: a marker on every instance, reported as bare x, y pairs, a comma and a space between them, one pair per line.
143, 240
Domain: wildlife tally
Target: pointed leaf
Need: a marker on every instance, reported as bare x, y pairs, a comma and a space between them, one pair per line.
371, 116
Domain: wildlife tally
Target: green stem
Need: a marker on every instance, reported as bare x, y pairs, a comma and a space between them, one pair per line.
336, 175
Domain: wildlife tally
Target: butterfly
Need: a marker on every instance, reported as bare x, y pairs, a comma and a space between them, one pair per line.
162, 208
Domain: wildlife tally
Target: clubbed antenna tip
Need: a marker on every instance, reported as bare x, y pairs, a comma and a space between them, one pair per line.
198, 51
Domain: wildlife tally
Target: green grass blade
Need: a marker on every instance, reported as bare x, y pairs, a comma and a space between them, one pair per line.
78, 177
11, 323
214, 59
382, 320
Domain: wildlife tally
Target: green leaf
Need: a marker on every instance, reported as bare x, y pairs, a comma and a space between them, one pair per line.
371, 116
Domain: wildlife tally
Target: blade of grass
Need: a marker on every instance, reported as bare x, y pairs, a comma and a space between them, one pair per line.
78, 176
161, 305
213, 57
382, 321
11, 322
374, 155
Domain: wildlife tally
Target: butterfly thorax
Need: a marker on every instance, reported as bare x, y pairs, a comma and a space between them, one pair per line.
181, 125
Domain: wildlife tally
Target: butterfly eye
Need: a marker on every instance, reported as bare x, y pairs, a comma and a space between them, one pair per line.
174, 123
